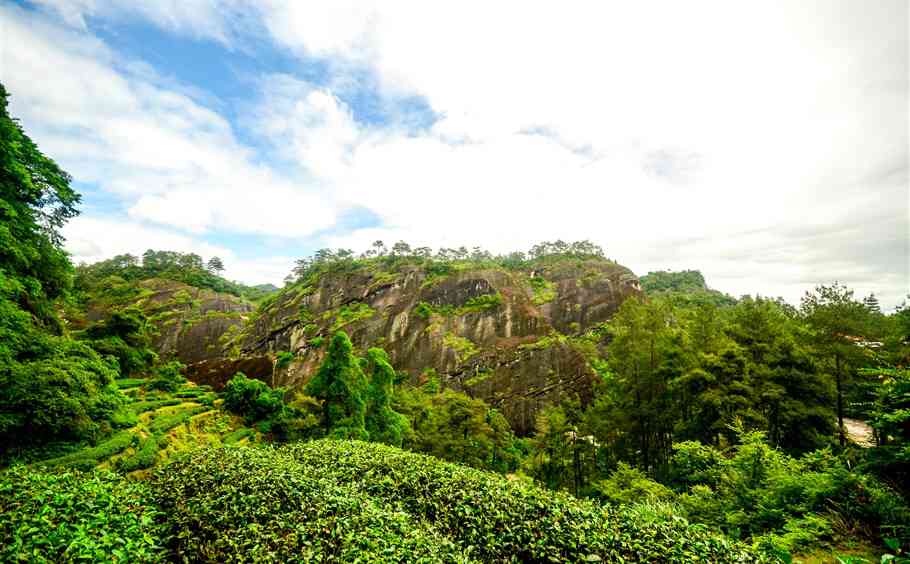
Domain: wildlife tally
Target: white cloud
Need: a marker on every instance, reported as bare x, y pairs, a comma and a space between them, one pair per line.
763, 143
172, 160
90, 239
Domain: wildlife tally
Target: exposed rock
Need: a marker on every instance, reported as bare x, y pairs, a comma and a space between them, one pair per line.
217, 372
484, 332
190, 324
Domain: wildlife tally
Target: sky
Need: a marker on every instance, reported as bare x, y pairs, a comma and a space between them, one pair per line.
763, 143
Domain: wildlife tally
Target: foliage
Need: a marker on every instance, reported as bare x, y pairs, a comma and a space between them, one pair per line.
262, 505
145, 456
51, 388
252, 399
341, 386
123, 335
498, 519
544, 290
383, 424
630, 485
72, 517
453, 426
87, 458
168, 377
790, 503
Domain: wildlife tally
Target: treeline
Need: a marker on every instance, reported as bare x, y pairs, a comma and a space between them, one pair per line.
442, 260
108, 276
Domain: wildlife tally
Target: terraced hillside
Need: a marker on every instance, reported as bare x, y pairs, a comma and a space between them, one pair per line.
155, 427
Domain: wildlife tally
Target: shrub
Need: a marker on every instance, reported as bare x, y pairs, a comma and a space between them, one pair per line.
259, 504
68, 395
168, 377
252, 399
76, 517
145, 456
165, 423
151, 405
87, 458
498, 519
236, 436
630, 485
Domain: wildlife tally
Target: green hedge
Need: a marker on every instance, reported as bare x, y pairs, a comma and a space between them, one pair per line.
352, 501
151, 405
127, 383
165, 423
89, 457
236, 436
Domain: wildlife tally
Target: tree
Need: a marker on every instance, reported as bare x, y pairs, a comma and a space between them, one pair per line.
871, 303
383, 424
835, 317
51, 387
215, 265
342, 387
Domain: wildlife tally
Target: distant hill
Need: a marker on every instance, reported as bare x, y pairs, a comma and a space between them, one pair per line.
683, 287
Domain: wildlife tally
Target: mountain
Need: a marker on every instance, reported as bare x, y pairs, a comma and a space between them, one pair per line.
510, 336
519, 335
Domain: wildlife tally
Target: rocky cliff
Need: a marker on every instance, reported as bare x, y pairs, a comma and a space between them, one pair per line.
509, 336
188, 323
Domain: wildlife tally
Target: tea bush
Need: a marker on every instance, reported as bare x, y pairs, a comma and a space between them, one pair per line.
72, 517
260, 505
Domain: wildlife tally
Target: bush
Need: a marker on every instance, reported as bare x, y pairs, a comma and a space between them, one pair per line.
168, 377
145, 456
68, 395
630, 485
236, 436
151, 405
260, 505
76, 517
252, 399
89, 457
498, 519
165, 423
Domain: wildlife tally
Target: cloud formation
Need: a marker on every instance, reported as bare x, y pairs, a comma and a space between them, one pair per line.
765, 144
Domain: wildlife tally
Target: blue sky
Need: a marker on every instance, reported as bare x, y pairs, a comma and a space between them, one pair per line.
674, 135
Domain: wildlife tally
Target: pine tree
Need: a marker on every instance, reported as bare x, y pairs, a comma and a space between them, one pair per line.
342, 387
871, 303
215, 265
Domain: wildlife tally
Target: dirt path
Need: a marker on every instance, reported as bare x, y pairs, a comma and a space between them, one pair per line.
859, 432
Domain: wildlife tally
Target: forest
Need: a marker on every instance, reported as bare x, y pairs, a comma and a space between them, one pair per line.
717, 428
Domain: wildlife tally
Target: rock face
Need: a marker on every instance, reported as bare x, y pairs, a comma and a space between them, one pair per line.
509, 337
190, 324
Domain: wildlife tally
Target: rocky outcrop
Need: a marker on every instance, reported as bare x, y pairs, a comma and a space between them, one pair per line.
189, 324
506, 336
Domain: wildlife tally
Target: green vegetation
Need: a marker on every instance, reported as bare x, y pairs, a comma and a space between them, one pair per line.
684, 288
341, 386
75, 517
51, 387
464, 348
367, 502
544, 290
